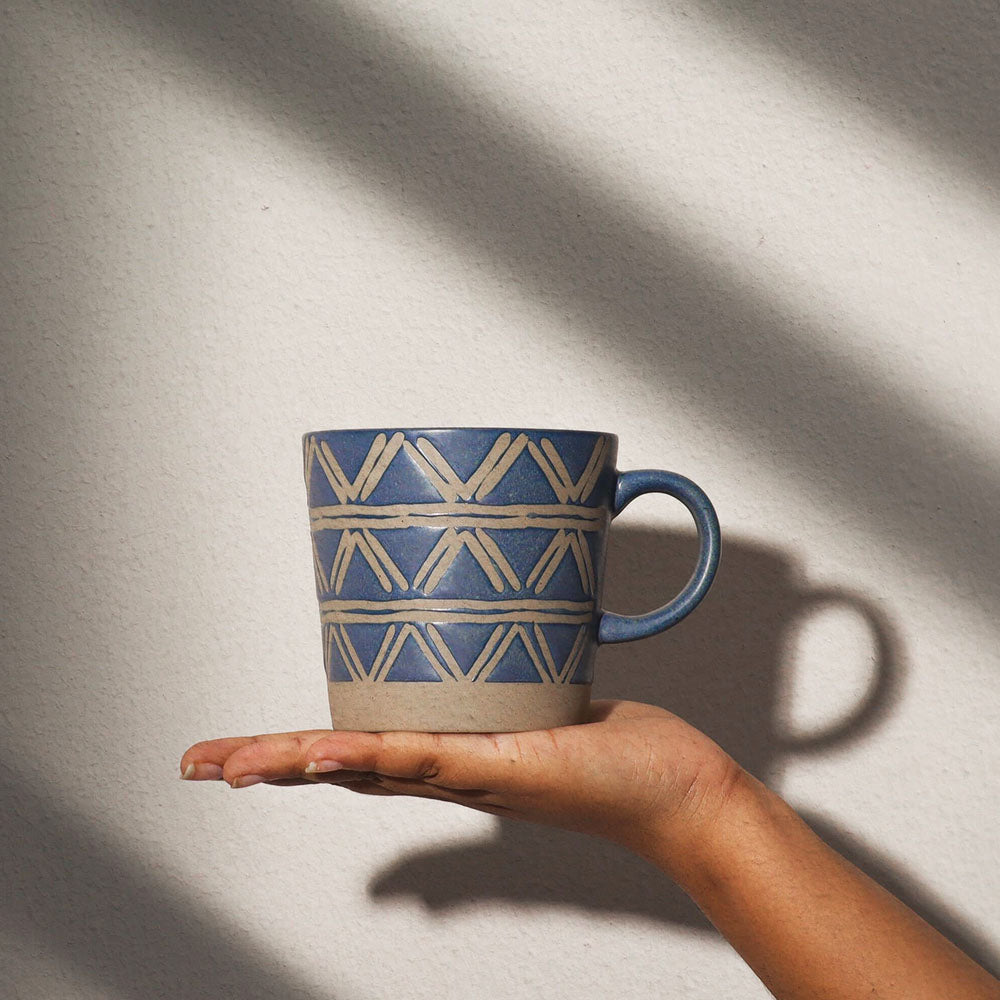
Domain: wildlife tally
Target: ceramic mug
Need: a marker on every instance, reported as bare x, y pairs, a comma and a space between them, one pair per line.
459, 572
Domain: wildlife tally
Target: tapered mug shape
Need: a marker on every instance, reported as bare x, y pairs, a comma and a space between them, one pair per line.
459, 572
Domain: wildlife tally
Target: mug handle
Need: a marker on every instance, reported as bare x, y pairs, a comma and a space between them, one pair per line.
625, 628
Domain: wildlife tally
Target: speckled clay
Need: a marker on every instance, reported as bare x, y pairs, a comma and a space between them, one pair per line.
459, 572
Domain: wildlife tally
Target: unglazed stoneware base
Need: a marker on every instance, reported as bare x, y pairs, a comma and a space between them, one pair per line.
440, 708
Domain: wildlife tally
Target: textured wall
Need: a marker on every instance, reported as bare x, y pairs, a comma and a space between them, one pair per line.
758, 242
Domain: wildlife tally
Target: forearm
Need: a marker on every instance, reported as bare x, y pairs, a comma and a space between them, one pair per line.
810, 924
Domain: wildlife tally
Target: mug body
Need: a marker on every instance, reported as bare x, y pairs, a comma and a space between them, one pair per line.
459, 572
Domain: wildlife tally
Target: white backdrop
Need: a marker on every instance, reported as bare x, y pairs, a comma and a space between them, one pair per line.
760, 246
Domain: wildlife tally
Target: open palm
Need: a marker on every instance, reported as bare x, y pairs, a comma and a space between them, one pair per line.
633, 773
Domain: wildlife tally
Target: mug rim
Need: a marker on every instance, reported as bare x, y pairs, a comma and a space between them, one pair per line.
438, 430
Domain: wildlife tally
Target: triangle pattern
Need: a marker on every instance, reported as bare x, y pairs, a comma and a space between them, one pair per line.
408, 548
584, 673
565, 582
411, 664
575, 451
465, 578
326, 548
367, 641
336, 669
360, 579
522, 548
523, 482
465, 460
560, 639
352, 450
466, 642
319, 489
515, 666
403, 482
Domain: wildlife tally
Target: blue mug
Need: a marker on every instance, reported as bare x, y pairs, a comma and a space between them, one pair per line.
459, 572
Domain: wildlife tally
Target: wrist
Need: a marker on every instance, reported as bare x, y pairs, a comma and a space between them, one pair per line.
713, 833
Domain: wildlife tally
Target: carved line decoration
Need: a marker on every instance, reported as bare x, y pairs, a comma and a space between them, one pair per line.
441, 659
440, 474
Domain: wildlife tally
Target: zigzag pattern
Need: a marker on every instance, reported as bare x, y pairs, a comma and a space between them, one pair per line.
483, 549
341, 652
412, 645
550, 559
440, 474
380, 455
552, 465
449, 484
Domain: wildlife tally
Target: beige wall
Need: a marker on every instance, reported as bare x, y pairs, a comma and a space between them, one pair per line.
761, 247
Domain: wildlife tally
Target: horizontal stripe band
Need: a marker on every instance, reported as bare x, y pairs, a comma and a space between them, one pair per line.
458, 604
444, 617
458, 515
452, 521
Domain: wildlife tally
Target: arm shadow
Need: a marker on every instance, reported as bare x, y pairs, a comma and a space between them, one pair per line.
721, 670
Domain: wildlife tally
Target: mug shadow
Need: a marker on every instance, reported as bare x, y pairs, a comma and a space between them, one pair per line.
721, 670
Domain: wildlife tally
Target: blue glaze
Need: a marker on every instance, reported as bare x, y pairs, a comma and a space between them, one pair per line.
625, 628
475, 554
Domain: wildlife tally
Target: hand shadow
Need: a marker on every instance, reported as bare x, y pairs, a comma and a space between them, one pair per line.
721, 670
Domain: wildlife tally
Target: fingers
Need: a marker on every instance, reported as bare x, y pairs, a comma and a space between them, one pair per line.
446, 760
268, 759
480, 799
488, 771
470, 760
273, 753
414, 761
203, 761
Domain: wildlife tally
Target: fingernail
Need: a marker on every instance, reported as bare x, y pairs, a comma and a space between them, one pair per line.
323, 766
202, 772
246, 780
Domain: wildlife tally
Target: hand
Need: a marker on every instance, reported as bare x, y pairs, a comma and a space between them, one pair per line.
634, 774
807, 922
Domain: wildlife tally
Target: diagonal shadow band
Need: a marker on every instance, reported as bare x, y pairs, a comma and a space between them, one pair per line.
336, 85
720, 669
932, 70
121, 926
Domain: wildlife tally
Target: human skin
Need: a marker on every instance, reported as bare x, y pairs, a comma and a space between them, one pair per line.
810, 924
